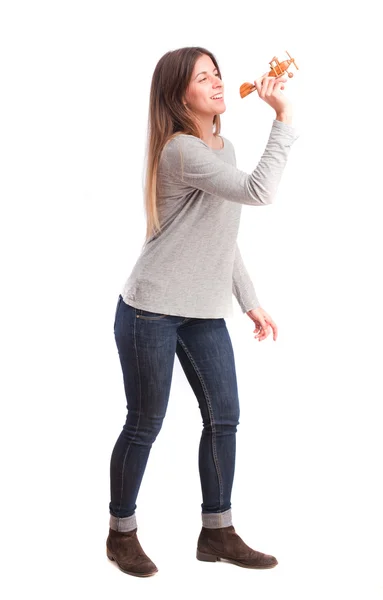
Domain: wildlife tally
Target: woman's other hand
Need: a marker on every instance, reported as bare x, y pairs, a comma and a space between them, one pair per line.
263, 323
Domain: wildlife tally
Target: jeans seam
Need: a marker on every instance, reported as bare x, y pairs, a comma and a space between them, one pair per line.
210, 410
139, 416
147, 318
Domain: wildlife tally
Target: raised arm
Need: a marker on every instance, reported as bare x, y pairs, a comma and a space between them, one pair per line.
191, 162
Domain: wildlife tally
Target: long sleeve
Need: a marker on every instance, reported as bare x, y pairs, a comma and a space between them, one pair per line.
242, 287
190, 164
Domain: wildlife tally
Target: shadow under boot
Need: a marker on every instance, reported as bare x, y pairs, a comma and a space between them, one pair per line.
125, 549
224, 543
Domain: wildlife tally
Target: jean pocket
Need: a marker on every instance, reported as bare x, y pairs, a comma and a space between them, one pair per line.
115, 314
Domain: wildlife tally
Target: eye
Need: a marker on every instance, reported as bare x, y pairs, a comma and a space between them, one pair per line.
215, 75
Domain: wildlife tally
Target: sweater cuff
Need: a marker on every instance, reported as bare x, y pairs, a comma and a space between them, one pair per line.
286, 128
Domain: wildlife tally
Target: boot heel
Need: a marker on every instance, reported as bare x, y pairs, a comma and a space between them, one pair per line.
109, 555
206, 557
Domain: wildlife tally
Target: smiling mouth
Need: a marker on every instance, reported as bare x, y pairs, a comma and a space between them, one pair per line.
217, 97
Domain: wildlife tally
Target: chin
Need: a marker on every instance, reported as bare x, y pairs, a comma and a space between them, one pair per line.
220, 110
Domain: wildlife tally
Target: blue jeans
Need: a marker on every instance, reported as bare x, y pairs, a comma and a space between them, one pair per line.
147, 343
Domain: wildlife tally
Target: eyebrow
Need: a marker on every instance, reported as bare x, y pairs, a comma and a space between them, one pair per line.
204, 72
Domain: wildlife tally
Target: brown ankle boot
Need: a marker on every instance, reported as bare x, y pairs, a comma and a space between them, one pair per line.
224, 543
126, 550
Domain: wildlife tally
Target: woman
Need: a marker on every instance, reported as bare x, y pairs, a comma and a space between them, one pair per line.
180, 290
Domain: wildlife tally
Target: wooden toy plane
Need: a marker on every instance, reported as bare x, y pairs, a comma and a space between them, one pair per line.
277, 69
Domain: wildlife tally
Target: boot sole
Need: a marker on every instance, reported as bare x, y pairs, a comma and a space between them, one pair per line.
111, 557
214, 558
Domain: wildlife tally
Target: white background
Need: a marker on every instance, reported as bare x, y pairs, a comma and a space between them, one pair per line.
75, 79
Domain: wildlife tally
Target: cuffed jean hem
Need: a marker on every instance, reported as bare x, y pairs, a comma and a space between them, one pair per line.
123, 524
217, 520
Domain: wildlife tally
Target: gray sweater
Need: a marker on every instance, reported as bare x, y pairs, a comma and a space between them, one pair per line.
193, 266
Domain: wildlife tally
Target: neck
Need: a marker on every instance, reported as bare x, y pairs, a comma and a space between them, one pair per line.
205, 124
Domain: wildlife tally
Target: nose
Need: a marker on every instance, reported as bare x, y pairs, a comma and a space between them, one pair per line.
217, 82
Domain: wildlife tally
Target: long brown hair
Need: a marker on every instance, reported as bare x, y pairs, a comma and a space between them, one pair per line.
169, 116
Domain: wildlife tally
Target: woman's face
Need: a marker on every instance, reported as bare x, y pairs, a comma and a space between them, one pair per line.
204, 84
